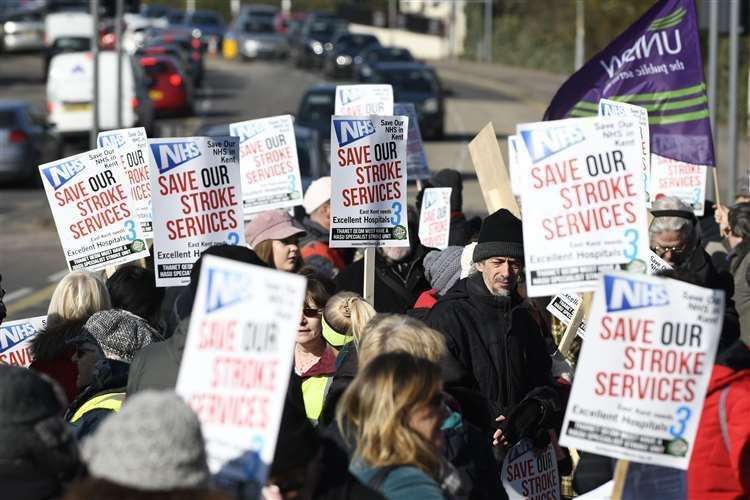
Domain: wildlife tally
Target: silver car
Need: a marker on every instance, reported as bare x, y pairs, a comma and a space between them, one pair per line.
25, 141
23, 31
257, 38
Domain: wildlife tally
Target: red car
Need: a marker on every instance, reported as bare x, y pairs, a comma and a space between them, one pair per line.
168, 88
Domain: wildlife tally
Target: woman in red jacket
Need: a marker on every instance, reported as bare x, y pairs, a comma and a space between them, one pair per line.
720, 465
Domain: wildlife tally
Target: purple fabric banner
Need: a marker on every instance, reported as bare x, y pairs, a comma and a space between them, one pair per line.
656, 63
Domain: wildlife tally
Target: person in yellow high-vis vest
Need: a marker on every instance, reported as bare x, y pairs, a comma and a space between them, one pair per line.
314, 358
103, 355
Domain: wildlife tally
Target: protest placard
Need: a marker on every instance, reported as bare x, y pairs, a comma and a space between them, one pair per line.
608, 107
269, 163
491, 172
135, 160
682, 180
656, 263
643, 370
89, 196
435, 218
197, 202
368, 177
416, 160
584, 204
528, 474
364, 100
563, 306
237, 361
15, 340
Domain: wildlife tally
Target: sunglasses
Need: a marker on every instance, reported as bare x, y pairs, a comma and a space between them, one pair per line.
309, 312
662, 251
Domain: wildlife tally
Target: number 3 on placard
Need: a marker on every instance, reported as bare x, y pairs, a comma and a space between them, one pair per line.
396, 218
130, 227
233, 238
632, 239
683, 415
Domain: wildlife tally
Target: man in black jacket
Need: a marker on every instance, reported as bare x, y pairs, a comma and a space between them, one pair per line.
496, 345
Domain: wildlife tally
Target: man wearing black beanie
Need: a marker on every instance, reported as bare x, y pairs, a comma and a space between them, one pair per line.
496, 349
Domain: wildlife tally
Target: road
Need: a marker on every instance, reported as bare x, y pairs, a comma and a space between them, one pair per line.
31, 259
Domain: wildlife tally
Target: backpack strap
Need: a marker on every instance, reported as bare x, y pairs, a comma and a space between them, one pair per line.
723, 419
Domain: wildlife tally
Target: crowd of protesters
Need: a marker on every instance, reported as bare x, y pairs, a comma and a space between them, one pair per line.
417, 396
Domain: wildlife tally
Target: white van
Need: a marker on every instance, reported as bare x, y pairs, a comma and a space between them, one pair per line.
70, 93
66, 25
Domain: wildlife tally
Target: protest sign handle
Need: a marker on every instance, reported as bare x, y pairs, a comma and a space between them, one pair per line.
571, 330
621, 473
716, 186
368, 292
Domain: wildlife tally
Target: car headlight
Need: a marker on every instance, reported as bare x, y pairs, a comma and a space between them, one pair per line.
251, 45
343, 60
430, 105
316, 47
197, 33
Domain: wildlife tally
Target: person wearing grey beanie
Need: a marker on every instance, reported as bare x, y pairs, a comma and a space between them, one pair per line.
442, 268
103, 354
153, 448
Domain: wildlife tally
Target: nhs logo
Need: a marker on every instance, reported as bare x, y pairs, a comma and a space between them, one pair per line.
115, 140
11, 336
60, 173
224, 288
544, 143
245, 132
623, 294
349, 131
173, 154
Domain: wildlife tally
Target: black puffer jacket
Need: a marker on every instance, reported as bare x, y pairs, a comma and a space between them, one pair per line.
496, 349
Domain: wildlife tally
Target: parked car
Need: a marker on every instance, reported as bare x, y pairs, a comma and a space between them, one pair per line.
257, 38
169, 88
25, 141
315, 110
378, 54
315, 40
419, 84
311, 166
190, 47
23, 31
346, 46
70, 94
208, 23
173, 51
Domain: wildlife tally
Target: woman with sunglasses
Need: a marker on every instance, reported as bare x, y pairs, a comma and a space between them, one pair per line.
314, 358
392, 413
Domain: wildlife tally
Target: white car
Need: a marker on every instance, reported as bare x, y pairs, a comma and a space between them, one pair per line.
23, 31
70, 93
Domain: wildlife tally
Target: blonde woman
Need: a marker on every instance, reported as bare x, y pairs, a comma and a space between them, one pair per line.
344, 318
397, 332
392, 415
78, 295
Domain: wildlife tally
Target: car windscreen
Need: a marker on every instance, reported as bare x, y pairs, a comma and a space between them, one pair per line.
390, 55
72, 44
8, 119
416, 80
205, 19
158, 68
321, 29
259, 25
356, 41
317, 108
